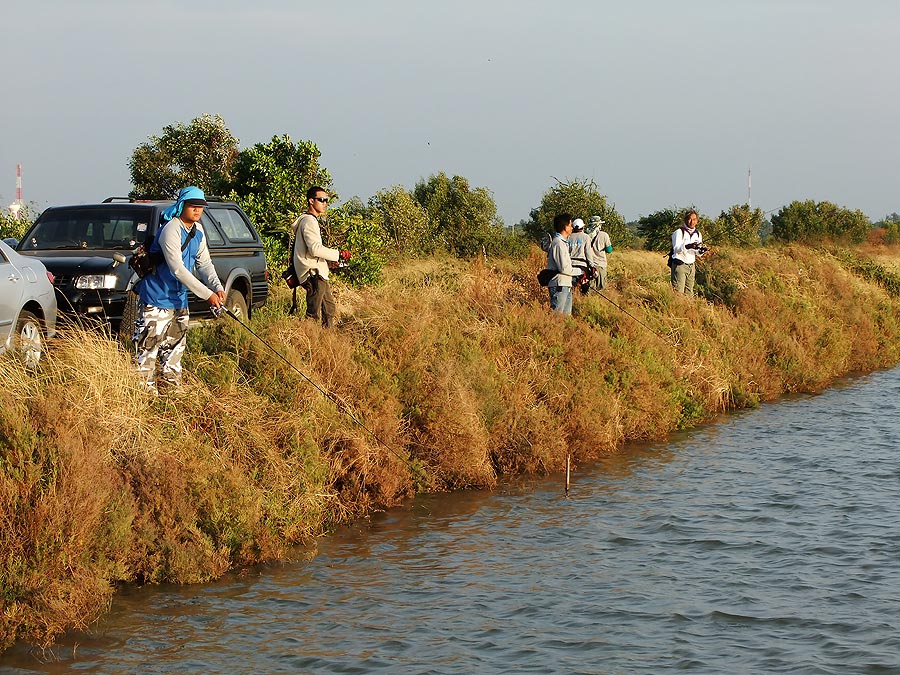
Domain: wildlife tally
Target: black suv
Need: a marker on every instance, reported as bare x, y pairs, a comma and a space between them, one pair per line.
80, 244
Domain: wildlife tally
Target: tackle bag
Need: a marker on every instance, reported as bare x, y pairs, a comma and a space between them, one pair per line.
545, 275
290, 276
143, 262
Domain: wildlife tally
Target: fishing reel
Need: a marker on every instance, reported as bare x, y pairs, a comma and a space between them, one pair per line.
698, 247
583, 282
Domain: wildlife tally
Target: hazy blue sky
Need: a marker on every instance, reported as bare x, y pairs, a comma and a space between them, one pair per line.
663, 103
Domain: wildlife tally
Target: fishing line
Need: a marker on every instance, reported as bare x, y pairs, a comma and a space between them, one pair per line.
625, 311
341, 406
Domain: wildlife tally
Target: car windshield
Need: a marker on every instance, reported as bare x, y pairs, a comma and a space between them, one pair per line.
85, 228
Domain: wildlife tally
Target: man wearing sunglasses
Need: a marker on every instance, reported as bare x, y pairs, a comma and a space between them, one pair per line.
312, 258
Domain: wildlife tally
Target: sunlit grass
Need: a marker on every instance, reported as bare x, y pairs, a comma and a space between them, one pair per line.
456, 375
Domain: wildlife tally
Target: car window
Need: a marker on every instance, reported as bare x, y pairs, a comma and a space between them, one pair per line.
233, 225
213, 236
99, 228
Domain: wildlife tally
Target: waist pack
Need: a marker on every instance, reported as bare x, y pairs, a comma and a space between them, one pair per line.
545, 275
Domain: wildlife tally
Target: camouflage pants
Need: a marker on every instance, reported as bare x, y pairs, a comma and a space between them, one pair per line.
159, 337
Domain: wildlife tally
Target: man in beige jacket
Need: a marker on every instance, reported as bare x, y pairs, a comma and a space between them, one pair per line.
312, 259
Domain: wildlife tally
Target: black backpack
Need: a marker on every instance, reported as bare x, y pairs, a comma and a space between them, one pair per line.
143, 262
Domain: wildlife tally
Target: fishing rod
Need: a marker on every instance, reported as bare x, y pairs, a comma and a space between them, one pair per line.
625, 311
341, 406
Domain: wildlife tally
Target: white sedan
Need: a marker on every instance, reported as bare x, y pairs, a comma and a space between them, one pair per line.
27, 305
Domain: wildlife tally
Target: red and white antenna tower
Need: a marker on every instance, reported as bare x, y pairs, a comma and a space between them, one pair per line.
17, 205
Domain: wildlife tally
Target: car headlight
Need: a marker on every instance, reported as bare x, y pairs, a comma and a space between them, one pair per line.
94, 282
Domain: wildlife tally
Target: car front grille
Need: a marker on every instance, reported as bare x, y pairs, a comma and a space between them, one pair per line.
62, 280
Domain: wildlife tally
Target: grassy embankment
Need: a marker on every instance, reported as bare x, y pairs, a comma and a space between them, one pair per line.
458, 367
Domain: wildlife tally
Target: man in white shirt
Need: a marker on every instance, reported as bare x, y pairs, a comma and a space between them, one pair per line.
312, 259
686, 240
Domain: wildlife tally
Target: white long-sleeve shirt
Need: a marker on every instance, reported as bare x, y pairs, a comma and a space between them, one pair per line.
682, 237
170, 241
309, 251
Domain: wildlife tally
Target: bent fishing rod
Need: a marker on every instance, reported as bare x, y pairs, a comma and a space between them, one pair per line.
340, 405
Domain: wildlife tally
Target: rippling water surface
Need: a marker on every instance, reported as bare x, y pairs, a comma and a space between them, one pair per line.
764, 543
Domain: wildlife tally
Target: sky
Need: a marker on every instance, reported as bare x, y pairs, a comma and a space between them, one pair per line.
662, 103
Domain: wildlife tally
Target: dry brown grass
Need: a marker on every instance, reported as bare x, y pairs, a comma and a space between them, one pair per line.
457, 375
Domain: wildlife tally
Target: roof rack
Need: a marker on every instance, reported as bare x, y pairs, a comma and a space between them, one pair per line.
109, 200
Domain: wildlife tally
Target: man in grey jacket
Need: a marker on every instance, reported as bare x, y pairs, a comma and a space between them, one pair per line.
559, 260
312, 259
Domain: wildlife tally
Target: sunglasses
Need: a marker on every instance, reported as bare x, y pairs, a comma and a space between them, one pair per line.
323, 200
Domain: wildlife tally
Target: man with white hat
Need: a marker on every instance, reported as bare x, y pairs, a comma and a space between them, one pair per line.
600, 245
579, 249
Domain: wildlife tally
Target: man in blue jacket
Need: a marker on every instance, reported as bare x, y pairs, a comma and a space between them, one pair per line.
161, 328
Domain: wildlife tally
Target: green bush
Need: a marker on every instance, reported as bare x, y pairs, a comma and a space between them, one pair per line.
810, 222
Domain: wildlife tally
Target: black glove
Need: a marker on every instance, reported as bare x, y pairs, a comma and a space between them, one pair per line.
693, 244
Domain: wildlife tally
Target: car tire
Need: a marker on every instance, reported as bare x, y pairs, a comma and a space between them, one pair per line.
236, 303
29, 339
129, 316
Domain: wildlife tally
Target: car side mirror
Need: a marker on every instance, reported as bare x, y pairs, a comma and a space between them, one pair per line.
118, 258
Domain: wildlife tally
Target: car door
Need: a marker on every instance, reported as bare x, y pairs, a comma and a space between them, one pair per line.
11, 285
244, 248
199, 307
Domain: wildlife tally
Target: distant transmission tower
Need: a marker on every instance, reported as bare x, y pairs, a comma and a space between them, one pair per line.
749, 189
17, 205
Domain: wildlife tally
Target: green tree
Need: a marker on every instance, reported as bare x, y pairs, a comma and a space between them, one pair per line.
657, 228
270, 181
15, 227
811, 222
889, 227
403, 221
356, 228
582, 199
463, 220
201, 153
738, 226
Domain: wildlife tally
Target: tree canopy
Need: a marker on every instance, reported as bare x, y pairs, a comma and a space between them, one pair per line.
404, 222
738, 226
810, 222
270, 181
464, 220
582, 199
201, 153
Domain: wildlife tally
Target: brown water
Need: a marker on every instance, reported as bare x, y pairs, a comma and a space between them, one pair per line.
765, 543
